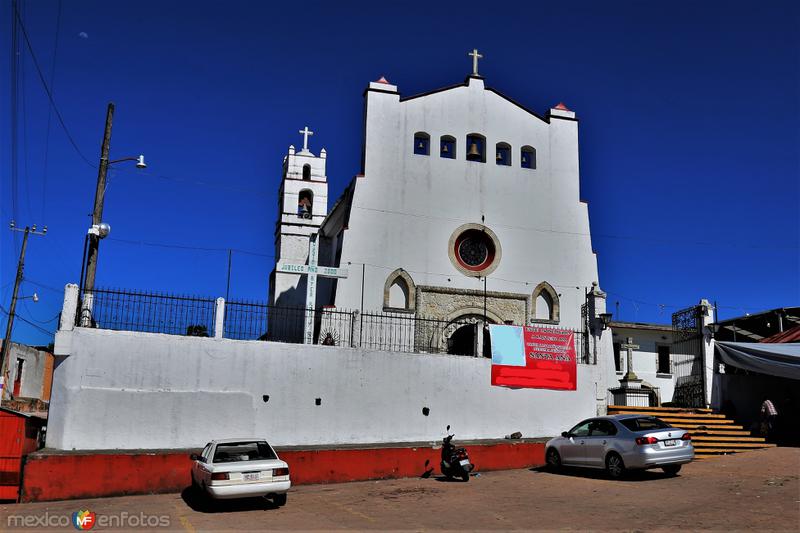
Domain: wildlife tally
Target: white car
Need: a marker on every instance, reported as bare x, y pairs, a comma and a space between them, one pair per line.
241, 468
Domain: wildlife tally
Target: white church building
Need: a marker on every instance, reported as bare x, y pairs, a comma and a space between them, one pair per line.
466, 211
467, 208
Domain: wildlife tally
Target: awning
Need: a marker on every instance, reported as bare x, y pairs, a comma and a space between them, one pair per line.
782, 360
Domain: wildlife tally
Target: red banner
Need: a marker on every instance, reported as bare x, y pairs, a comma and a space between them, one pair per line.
550, 361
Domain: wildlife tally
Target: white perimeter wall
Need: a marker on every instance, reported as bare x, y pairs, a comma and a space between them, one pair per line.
125, 390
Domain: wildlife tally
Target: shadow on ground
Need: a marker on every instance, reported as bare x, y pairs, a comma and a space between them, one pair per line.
445, 479
199, 502
591, 473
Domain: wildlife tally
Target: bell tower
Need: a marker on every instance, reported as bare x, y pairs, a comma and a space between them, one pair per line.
302, 206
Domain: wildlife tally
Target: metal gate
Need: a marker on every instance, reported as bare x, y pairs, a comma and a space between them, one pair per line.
687, 357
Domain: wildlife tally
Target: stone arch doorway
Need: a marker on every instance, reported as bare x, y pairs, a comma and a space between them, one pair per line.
466, 336
463, 340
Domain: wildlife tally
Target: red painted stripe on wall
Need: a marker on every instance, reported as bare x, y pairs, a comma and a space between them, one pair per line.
66, 476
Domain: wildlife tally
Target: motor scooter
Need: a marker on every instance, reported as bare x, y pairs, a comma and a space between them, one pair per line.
455, 461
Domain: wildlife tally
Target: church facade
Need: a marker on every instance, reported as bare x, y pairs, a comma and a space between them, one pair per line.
466, 210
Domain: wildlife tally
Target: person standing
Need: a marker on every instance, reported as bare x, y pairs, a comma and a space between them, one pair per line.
768, 416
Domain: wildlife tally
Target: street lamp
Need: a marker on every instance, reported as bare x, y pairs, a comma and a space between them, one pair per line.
139, 161
605, 320
713, 329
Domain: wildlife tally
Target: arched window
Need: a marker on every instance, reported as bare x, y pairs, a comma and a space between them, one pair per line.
305, 204
476, 147
545, 303
447, 147
422, 143
306, 171
503, 154
399, 292
527, 157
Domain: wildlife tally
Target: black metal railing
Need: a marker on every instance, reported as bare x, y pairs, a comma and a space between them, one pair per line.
404, 332
257, 321
131, 310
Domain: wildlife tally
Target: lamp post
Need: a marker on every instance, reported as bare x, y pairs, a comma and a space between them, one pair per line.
99, 229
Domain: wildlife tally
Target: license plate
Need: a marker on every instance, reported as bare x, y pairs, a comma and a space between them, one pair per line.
253, 476
463, 462
671, 442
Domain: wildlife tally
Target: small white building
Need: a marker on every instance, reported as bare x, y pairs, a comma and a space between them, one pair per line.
30, 372
652, 361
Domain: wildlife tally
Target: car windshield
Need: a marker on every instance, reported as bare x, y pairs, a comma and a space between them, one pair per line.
645, 423
231, 452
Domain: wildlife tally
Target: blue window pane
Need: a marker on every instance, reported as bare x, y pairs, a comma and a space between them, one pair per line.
448, 149
421, 145
503, 156
476, 149
528, 158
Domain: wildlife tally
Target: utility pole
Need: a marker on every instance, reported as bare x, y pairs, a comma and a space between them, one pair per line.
228, 286
99, 196
13, 307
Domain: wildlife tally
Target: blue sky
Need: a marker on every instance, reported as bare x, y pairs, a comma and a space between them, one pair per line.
689, 133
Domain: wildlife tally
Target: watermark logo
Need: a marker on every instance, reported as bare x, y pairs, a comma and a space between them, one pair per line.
84, 519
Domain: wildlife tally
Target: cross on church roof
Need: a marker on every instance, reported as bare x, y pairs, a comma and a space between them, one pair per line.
475, 57
306, 133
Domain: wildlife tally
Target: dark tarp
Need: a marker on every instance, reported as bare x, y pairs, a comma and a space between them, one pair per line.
782, 360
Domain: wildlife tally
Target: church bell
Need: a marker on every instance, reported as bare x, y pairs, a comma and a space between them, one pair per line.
474, 153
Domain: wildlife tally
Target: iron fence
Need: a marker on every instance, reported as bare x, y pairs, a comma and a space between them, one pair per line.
644, 397
131, 310
405, 332
246, 320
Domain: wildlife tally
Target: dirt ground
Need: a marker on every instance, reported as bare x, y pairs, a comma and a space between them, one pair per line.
755, 490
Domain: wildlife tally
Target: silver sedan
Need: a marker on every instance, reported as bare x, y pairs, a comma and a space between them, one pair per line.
619, 443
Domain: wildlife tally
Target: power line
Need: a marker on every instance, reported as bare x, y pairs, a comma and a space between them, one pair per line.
13, 112
47, 88
193, 181
389, 268
3, 310
43, 286
50, 111
187, 247
650, 239
30, 314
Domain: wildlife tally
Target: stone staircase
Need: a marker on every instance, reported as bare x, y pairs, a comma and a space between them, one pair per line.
712, 434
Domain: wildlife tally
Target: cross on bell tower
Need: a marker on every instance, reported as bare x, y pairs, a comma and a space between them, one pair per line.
475, 57
306, 134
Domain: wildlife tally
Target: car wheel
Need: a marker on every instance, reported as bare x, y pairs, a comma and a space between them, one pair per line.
279, 499
671, 470
553, 460
614, 465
